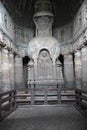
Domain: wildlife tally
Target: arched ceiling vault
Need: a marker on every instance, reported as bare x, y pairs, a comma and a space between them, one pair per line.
22, 11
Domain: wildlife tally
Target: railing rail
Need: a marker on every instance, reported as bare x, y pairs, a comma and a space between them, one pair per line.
81, 101
7, 103
48, 95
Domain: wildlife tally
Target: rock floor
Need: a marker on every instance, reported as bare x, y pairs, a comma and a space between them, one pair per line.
44, 118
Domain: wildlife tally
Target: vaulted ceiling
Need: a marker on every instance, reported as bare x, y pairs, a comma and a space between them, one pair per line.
22, 11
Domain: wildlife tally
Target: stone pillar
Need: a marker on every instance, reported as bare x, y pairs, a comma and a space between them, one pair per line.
60, 77
78, 69
35, 70
11, 69
68, 71
0, 70
54, 70
84, 66
19, 83
5, 70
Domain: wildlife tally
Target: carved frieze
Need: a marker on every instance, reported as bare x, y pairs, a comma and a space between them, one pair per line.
8, 44
6, 41
85, 37
74, 45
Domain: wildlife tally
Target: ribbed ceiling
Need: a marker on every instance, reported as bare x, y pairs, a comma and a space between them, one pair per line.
22, 11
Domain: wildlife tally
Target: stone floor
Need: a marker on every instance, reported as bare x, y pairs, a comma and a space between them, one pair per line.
45, 118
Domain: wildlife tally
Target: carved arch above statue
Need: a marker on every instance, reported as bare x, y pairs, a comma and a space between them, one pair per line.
44, 54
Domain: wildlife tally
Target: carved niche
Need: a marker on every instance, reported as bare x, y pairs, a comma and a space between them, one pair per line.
44, 65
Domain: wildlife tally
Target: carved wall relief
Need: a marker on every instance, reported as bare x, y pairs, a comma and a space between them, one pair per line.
5, 20
86, 13
44, 65
44, 69
80, 19
44, 48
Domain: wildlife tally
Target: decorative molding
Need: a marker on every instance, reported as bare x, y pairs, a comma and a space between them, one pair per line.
75, 44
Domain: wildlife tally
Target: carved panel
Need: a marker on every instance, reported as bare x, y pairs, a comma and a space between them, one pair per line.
44, 65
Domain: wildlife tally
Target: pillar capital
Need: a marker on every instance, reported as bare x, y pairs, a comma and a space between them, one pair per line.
78, 57
84, 50
84, 53
77, 53
11, 51
68, 59
5, 50
68, 55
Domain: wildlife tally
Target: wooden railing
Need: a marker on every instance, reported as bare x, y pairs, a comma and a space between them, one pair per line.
7, 103
47, 96
81, 101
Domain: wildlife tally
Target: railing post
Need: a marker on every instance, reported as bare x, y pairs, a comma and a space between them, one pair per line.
10, 101
80, 100
77, 96
32, 94
14, 101
59, 94
45, 96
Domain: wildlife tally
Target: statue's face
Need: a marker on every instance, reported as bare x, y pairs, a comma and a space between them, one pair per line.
44, 53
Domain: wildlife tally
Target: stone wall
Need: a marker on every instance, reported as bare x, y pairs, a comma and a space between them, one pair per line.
67, 32
18, 35
6, 22
11, 65
73, 41
23, 35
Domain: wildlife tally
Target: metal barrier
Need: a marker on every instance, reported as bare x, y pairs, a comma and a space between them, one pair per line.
81, 101
7, 103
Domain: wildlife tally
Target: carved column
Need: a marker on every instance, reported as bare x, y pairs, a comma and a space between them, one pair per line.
5, 70
84, 66
0, 70
59, 73
19, 73
11, 69
35, 70
68, 71
54, 70
78, 69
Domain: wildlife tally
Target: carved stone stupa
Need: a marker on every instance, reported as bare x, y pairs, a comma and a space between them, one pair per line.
44, 68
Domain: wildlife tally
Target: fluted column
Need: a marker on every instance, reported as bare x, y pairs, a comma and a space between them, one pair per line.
78, 66
5, 70
68, 71
84, 66
19, 73
0, 70
11, 69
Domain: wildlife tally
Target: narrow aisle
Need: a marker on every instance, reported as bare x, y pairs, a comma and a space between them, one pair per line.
45, 118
